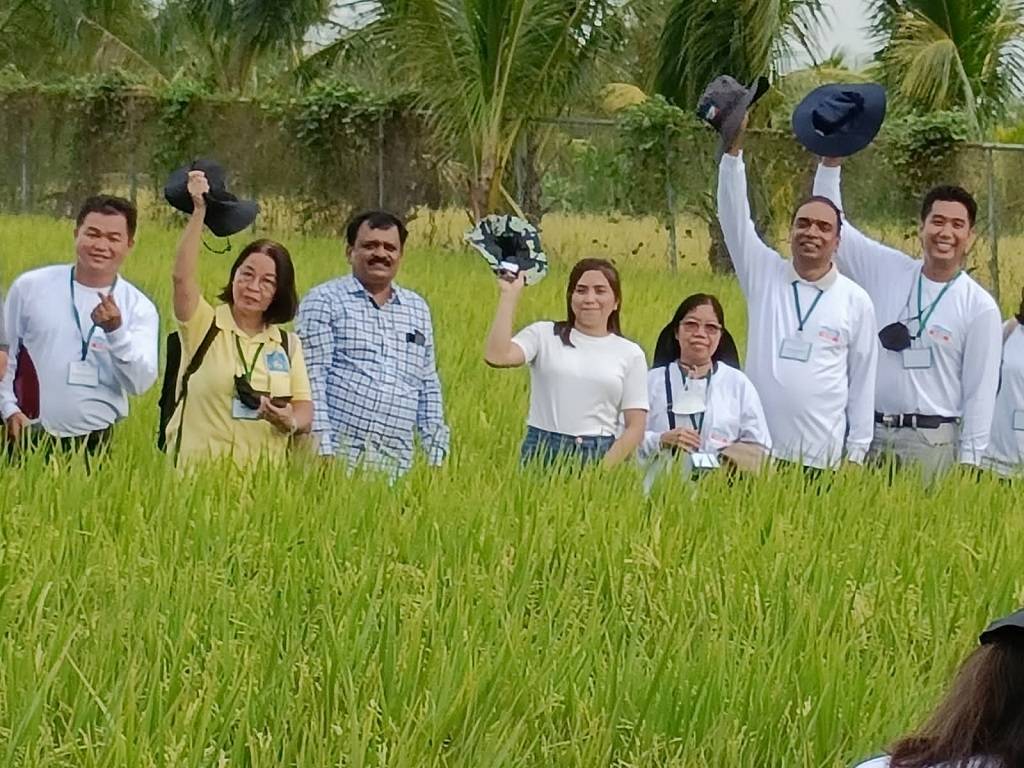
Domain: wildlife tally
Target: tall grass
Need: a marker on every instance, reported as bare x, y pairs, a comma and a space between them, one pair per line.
476, 615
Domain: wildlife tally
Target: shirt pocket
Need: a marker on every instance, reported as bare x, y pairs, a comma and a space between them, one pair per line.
411, 357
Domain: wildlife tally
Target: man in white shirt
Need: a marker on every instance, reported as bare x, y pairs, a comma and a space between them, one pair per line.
3, 339
811, 350
939, 330
91, 335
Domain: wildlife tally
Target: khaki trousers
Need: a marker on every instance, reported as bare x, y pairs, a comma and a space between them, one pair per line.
934, 450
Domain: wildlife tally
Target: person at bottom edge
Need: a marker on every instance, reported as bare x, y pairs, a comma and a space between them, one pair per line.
979, 723
588, 384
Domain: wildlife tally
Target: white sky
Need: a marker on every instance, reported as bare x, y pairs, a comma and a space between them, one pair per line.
848, 20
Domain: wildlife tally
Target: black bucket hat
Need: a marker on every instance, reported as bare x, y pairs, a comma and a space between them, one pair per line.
1001, 629
225, 214
510, 243
724, 103
839, 120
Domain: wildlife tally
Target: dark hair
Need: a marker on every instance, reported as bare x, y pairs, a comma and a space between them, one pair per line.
285, 303
564, 328
826, 201
950, 194
109, 205
1020, 310
982, 716
666, 349
375, 220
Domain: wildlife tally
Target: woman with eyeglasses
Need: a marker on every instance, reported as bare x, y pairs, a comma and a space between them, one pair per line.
704, 410
243, 389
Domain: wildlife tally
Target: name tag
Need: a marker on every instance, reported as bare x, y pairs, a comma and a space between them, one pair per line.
83, 373
704, 460
917, 358
1018, 421
795, 348
242, 412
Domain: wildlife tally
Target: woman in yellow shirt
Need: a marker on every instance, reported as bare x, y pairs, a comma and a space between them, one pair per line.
250, 394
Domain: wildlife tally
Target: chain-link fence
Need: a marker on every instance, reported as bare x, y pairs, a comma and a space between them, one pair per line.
594, 191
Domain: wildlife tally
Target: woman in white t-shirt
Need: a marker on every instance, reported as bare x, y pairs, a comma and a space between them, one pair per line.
1005, 453
980, 722
702, 408
586, 380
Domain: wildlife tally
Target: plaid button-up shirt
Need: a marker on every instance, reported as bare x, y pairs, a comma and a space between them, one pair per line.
373, 375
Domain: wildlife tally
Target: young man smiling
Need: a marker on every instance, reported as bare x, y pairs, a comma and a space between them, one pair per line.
939, 333
811, 350
91, 335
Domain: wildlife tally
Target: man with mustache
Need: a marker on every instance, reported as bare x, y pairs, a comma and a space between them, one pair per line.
91, 335
811, 350
940, 333
369, 348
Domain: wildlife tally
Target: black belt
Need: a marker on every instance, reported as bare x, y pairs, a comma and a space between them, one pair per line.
914, 420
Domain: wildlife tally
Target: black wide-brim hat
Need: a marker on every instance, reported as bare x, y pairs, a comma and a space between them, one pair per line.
839, 120
225, 214
724, 103
1000, 629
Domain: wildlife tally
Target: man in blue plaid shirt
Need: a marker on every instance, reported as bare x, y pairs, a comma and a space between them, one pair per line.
369, 348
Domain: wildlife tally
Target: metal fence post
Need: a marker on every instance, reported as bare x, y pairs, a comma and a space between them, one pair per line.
670, 202
993, 223
380, 159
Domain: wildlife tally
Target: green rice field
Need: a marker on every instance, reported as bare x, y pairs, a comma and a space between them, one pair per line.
477, 615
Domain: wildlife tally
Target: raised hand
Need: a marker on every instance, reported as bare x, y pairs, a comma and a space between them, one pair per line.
198, 186
106, 314
511, 286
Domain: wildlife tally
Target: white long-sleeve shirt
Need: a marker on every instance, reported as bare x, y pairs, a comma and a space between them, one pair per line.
1005, 452
963, 332
811, 405
733, 412
39, 317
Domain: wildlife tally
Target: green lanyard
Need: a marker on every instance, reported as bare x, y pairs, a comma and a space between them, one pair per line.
86, 338
801, 318
924, 316
248, 369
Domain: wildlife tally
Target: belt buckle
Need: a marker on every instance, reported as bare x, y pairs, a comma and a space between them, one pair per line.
890, 421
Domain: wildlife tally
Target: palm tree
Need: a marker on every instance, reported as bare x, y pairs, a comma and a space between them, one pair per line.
481, 69
702, 39
947, 54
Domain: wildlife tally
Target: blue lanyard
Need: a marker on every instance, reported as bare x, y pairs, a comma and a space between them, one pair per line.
698, 424
802, 318
78, 321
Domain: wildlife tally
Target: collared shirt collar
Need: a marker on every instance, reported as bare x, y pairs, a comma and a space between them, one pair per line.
226, 322
351, 285
822, 283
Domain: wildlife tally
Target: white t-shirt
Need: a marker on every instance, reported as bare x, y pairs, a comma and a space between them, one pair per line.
1006, 448
732, 410
963, 333
582, 390
883, 762
39, 317
815, 405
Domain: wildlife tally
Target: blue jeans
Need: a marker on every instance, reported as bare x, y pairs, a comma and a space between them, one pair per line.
548, 447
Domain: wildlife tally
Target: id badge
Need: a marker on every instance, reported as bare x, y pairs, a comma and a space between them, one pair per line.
918, 358
83, 373
1018, 421
704, 460
795, 348
240, 411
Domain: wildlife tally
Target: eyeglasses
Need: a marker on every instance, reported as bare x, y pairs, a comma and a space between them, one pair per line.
694, 326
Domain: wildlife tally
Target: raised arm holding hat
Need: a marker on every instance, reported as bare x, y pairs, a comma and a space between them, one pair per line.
811, 352
939, 331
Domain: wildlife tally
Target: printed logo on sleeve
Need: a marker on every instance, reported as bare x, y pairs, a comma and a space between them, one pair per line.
277, 361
